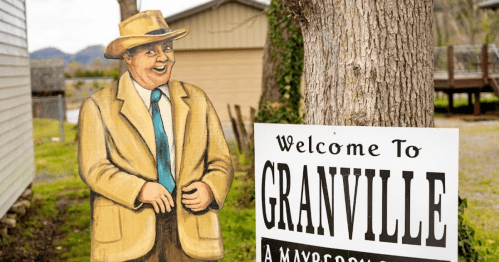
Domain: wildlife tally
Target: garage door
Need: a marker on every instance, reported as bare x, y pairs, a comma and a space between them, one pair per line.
227, 76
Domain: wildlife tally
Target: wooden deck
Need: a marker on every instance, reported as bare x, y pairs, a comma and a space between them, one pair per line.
483, 78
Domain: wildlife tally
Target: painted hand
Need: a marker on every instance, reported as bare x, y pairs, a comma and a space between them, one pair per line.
156, 195
200, 197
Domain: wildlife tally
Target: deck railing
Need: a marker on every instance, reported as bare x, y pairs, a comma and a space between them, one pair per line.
466, 61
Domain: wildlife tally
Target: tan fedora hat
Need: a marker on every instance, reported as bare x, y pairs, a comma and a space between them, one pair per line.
142, 28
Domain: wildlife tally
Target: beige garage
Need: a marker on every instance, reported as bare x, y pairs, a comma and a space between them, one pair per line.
223, 52
227, 76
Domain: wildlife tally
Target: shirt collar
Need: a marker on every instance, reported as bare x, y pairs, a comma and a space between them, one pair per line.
145, 94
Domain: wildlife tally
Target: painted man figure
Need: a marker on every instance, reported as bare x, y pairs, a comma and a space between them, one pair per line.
153, 153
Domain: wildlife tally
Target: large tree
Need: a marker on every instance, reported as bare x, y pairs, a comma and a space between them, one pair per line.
367, 62
272, 58
282, 69
127, 9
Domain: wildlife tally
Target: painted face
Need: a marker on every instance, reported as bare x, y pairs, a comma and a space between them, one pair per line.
151, 64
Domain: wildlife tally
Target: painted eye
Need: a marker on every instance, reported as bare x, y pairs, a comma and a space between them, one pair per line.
168, 48
150, 52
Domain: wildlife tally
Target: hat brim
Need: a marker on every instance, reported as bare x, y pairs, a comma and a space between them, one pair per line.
116, 48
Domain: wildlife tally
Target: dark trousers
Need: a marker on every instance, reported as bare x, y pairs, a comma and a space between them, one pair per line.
167, 245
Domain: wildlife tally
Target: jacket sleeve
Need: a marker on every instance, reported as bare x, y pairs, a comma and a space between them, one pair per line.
96, 169
218, 173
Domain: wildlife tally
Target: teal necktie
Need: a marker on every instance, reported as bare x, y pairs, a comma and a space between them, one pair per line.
162, 148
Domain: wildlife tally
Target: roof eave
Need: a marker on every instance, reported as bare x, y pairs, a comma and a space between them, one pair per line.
211, 4
489, 5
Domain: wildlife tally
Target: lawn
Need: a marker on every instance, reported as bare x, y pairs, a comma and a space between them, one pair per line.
487, 105
59, 192
479, 180
63, 199
53, 159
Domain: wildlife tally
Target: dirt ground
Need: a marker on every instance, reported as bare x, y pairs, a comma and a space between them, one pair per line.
42, 239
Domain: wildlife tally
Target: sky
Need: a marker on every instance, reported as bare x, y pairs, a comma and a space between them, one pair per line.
72, 25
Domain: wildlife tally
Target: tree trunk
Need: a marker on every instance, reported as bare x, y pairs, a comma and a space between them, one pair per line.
472, 18
446, 19
127, 9
367, 62
270, 90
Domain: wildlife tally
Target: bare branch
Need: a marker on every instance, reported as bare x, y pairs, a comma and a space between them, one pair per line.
251, 18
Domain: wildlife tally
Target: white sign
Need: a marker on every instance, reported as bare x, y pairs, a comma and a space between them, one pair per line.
352, 194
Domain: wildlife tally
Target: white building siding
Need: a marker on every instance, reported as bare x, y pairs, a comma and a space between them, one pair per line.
17, 168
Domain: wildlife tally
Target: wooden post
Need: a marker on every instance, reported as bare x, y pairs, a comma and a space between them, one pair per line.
234, 128
450, 106
242, 129
450, 70
485, 64
477, 103
252, 114
252, 117
61, 118
470, 100
450, 64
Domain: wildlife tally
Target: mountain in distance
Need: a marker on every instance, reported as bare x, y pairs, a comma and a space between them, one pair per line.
51, 52
89, 54
85, 56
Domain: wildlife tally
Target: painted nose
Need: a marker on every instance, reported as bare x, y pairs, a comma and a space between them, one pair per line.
162, 57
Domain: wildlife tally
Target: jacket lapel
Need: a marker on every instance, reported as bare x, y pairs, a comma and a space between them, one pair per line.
134, 110
180, 112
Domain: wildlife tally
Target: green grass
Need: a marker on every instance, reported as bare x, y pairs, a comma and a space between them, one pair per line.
482, 219
59, 161
238, 225
55, 159
479, 183
44, 129
461, 105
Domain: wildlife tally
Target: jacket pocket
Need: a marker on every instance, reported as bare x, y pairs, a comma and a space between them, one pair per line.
106, 224
208, 225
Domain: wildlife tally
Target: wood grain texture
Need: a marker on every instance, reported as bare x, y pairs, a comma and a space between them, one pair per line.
367, 62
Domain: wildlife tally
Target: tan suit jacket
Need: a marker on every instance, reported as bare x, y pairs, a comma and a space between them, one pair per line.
117, 155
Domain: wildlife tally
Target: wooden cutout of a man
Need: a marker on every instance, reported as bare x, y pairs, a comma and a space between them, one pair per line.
154, 155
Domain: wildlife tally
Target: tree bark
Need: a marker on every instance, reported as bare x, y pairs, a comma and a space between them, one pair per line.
367, 62
270, 90
127, 9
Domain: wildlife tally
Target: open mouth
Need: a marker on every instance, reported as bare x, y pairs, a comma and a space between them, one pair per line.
160, 69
